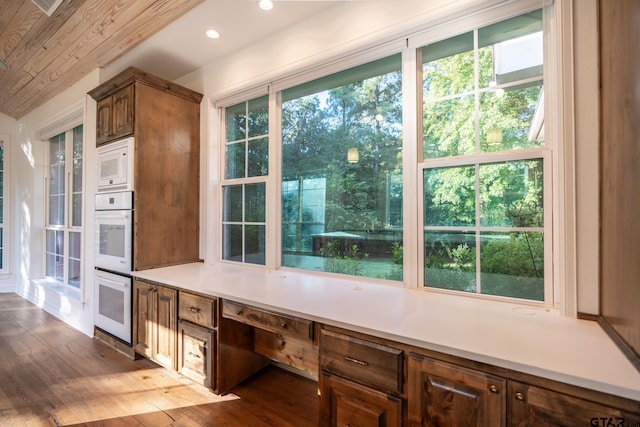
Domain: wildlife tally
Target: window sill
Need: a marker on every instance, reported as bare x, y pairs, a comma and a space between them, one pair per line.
60, 288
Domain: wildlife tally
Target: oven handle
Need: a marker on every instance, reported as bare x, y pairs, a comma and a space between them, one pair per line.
102, 278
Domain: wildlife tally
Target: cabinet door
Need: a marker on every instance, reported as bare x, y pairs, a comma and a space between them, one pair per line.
123, 114
443, 394
344, 403
531, 406
104, 124
144, 318
166, 327
196, 353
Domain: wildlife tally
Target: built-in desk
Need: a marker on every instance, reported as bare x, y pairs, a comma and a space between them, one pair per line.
498, 336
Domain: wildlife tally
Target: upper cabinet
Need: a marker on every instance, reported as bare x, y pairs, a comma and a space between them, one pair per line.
164, 120
115, 115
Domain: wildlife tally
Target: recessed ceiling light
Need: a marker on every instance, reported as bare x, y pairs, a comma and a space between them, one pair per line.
265, 4
213, 34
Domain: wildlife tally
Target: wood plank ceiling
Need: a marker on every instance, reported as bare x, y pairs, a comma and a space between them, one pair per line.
46, 55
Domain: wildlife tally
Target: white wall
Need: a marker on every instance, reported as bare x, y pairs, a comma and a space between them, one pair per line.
28, 215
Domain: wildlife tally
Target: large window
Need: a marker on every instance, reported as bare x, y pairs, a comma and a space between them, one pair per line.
484, 160
64, 208
342, 172
482, 173
244, 189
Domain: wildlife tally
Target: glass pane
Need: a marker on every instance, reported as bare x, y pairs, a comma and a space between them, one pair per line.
237, 122
449, 127
74, 244
512, 119
232, 238
77, 175
512, 265
56, 210
341, 143
255, 202
450, 260
76, 220
258, 157
56, 179
235, 160
254, 244
232, 209
449, 198
511, 194
448, 67
258, 117
57, 149
74, 273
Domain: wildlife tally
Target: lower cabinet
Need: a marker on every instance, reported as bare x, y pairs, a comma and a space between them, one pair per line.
535, 406
442, 394
196, 352
361, 382
155, 324
345, 403
197, 327
446, 394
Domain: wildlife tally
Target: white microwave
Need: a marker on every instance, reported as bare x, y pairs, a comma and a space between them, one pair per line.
115, 166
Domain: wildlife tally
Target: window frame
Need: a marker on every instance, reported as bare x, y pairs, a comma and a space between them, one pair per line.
67, 227
5, 176
557, 181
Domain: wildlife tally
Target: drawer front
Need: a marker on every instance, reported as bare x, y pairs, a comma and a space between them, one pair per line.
197, 309
274, 322
364, 362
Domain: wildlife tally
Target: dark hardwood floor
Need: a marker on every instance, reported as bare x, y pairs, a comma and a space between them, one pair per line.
53, 375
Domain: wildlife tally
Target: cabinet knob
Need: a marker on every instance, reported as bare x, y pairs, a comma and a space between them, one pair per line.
238, 312
494, 389
520, 397
194, 309
283, 325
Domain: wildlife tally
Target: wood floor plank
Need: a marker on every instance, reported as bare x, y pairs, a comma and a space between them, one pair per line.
53, 375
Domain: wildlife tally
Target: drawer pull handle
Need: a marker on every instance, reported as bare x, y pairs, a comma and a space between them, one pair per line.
192, 354
519, 397
283, 325
494, 389
238, 312
356, 361
194, 309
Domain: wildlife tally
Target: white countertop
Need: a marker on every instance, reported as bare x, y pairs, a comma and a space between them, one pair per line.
536, 341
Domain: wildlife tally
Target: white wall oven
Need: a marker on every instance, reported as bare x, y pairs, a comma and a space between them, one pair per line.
113, 240
114, 232
113, 311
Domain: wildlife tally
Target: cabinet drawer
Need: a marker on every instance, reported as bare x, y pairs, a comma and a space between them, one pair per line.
197, 309
274, 322
365, 362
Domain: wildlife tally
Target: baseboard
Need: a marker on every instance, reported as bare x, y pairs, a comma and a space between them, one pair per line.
7, 289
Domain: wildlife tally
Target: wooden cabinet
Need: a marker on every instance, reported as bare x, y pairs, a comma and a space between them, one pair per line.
361, 382
443, 394
115, 115
535, 406
164, 120
447, 394
197, 338
155, 322
346, 403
